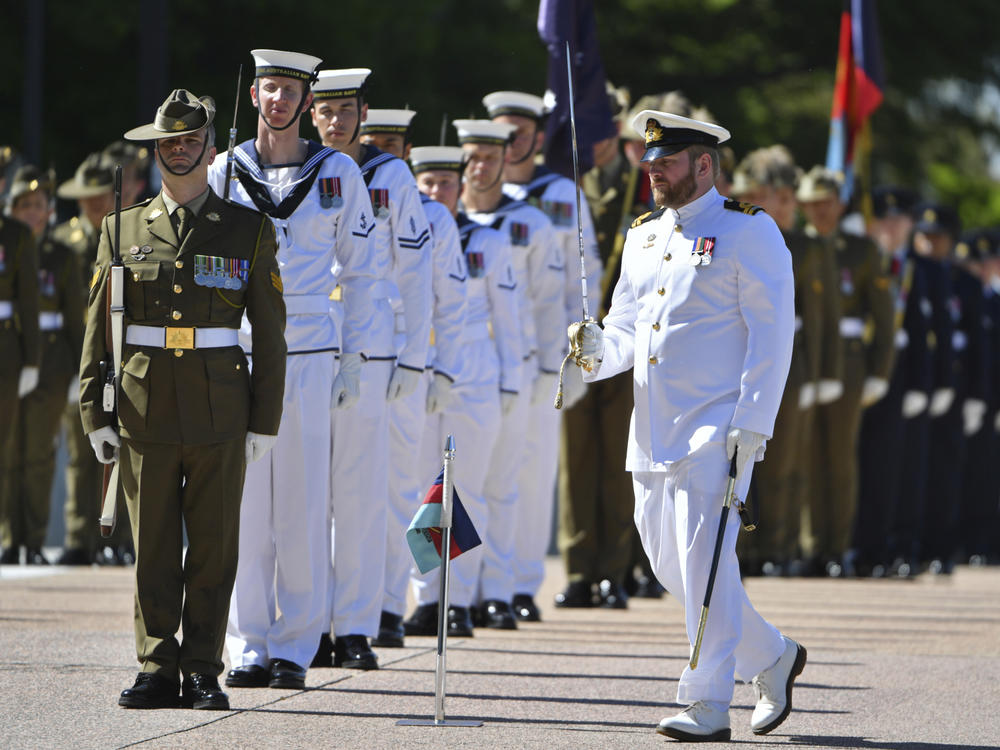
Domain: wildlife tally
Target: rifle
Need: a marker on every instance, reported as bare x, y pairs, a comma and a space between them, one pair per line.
113, 339
232, 137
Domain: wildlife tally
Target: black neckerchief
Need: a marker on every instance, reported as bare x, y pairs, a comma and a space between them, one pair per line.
247, 168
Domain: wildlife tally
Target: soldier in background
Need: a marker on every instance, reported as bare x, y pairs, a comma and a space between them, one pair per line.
866, 329
20, 342
135, 159
60, 321
768, 178
92, 187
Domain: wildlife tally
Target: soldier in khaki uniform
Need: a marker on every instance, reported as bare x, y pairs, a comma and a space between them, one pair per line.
867, 331
91, 187
61, 322
768, 178
191, 415
20, 345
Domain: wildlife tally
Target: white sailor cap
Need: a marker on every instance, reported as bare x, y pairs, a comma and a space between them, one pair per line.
666, 134
430, 158
394, 121
514, 103
484, 131
340, 84
276, 62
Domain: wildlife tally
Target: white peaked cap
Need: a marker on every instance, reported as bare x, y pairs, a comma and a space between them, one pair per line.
483, 131
514, 103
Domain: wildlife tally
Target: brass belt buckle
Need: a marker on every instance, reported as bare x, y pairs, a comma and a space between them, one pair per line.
180, 338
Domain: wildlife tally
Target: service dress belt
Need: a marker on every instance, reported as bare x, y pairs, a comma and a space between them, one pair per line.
181, 338
852, 328
473, 332
307, 304
50, 321
6, 310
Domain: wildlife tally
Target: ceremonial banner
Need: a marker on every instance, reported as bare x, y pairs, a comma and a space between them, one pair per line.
424, 534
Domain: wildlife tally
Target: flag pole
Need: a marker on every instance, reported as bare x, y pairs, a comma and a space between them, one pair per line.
440, 667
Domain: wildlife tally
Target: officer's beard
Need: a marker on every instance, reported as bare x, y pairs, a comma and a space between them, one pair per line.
675, 195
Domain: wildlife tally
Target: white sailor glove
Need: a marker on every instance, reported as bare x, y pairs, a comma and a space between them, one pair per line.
403, 382
746, 444
973, 411
438, 393
941, 401
545, 387
586, 340
872, 390
914, 403
347, 384
28, 381
828, 391
807, 396
73, 392
507, 401
258, 445
105, 442
573, 388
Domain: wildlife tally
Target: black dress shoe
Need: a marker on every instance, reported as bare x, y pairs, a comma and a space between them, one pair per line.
125, 554
202, 691
390, 631
612, 595
423, 621
497, 614
577, 594
353, 652
324, 652
34, 556
525, 608
151, 690
459, 622
248, 676
74, 556
11, 556
287, 675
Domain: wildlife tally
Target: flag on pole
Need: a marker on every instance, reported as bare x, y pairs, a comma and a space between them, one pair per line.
857, 91
424, 534
573, 21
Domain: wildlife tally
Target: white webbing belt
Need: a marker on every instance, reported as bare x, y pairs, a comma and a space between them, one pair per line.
50, 321
852, 328
204, 338
6, 310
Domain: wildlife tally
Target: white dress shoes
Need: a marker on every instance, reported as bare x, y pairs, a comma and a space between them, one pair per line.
773, 687
699, 722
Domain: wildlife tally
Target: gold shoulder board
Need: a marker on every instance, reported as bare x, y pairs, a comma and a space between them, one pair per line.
742, 206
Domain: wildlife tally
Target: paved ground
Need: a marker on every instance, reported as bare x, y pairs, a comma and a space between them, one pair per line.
892, 665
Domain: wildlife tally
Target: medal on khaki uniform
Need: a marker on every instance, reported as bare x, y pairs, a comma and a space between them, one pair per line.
221, 273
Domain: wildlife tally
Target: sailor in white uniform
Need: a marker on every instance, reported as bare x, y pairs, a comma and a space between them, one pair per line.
556, 196
389, 130
403, 303
703, 313
322, 216
489, 376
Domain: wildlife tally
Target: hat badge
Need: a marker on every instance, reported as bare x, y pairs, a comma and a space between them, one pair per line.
930, 216
962, 250
653, 131
179, 125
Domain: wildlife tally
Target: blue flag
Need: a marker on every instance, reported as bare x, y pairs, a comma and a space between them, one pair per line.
561, 21
424, 535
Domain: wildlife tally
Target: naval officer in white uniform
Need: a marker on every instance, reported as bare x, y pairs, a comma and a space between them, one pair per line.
704, 314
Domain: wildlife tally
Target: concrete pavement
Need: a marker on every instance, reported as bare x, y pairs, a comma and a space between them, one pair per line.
892, 665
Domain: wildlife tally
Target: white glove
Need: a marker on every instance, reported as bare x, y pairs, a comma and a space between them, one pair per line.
403, 382
807, 396
105, 441
828, 391
914, 403
507, 401
973, 411
347, 384
73, 392
438, 393
872, 390
257, 445
586, 339
28, 381
545, 387
573, 387
941, 401
746, 444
